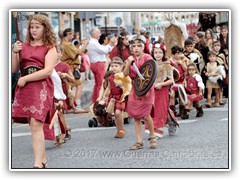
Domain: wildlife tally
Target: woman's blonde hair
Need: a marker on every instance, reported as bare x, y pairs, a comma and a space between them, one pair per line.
49, 36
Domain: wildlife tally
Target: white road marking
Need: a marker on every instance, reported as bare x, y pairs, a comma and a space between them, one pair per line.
73, 130
223, 119
187, 121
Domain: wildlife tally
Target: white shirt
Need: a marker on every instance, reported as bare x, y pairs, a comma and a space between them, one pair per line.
96, 51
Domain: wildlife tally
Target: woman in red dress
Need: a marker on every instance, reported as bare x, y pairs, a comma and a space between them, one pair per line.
139, 107
34, 98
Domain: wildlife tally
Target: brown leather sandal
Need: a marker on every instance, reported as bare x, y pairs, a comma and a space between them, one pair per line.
137, 146
153, 142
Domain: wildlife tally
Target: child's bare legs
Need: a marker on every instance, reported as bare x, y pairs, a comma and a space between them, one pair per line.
209, 98
119, 120
153, 140
119, 124
38, 142
220, 96
138, 129
216, 90
150, 125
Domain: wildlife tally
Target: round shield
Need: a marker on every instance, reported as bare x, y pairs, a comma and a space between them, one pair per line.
176, 74
182, 94
149, 72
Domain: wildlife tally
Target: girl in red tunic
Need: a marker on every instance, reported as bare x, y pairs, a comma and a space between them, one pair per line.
122, 48
161, 87
139, 107
194, 89
33, 102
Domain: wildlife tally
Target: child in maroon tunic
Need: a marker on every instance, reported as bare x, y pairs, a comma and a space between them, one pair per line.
33, 102
139, 107
161, 87
180, 63
118, 88
65, 73
194, 89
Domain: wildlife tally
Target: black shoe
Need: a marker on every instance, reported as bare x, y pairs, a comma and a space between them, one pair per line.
199, 111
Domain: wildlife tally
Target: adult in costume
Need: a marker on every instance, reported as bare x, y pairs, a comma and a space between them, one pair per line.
71, 56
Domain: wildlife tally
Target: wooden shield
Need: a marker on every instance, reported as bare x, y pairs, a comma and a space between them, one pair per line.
176, 74
149, 72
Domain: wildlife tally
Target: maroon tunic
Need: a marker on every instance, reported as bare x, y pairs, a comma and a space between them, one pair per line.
192, 88
114, 52
139, 107
116, 93
64, 68
35, 99
180, 70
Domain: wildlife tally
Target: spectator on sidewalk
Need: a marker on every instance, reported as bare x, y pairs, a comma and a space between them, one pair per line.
97, 54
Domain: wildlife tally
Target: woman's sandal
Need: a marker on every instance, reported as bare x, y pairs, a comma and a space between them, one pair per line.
153, 142
137, 146
68, 134
44, 165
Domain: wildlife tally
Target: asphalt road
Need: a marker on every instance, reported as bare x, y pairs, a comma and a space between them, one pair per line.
199, 143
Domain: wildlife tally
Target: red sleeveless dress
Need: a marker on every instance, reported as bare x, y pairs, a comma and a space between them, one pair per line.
36, 98
139, 107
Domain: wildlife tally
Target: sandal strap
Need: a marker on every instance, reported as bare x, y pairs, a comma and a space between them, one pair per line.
153, 142
137, 146
44, 165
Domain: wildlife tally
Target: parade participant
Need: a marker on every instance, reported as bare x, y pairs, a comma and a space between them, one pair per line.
216, 46
33, 102
71, 57
209, 37
65, 73
122, 48
143, 32
118, 88
161, 87
193, 54
194, 89
59, 97
180, 63
139, 107
97, 57
214, 71
223, 38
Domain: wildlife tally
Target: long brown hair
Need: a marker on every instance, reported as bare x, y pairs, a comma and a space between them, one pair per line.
49, 37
